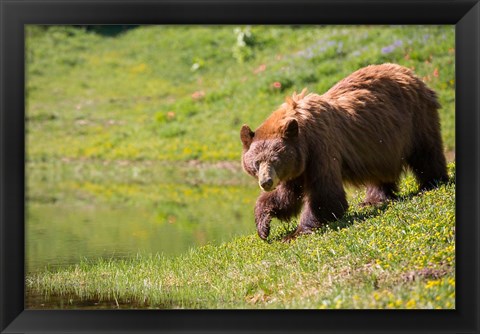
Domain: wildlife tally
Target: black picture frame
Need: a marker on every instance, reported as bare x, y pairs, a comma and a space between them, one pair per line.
464, 14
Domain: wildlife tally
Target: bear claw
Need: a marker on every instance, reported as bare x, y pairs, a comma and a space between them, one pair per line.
263, 233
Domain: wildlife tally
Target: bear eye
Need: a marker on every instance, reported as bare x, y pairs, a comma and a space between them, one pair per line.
256, 165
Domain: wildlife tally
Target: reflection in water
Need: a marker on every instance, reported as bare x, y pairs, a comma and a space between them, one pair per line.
58, 234
35, 301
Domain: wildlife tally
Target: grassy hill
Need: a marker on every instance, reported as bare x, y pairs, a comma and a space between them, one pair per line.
129, 119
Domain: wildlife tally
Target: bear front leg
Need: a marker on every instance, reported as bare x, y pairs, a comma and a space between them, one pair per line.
325, 202
282, 203
263, 216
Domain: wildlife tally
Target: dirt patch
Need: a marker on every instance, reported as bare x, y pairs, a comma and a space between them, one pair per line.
429, 273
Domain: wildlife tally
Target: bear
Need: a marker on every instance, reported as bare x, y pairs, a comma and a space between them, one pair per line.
364, 131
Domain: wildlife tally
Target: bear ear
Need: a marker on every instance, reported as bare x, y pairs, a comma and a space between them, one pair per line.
291, 129
290, 102
246, 135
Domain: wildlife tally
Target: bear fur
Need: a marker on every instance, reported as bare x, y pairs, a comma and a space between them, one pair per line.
363, 131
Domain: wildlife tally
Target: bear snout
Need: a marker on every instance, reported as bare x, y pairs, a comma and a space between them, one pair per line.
266, 184
267, 177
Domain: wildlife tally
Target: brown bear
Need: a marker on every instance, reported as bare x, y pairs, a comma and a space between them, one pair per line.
363, 131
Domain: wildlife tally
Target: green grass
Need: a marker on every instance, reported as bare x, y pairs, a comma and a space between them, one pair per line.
132, 97
401, 255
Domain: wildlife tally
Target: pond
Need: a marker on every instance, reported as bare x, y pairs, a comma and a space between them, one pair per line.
83, 211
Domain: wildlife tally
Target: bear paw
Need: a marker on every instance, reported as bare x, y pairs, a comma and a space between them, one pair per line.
263, 231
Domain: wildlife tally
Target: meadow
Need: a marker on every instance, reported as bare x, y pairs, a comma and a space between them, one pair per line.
145, 122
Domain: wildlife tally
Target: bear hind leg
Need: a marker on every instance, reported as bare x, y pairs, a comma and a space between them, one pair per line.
379, 194
428, 164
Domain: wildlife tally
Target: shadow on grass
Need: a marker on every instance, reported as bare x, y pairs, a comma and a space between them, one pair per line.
356, 217
347, 220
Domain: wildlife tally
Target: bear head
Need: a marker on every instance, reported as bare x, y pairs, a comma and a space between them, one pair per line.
272, 154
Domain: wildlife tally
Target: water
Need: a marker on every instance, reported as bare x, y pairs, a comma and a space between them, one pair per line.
121, 221
84, 211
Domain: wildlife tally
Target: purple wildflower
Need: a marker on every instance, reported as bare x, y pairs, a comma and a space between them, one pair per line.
388, 49
398, 42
